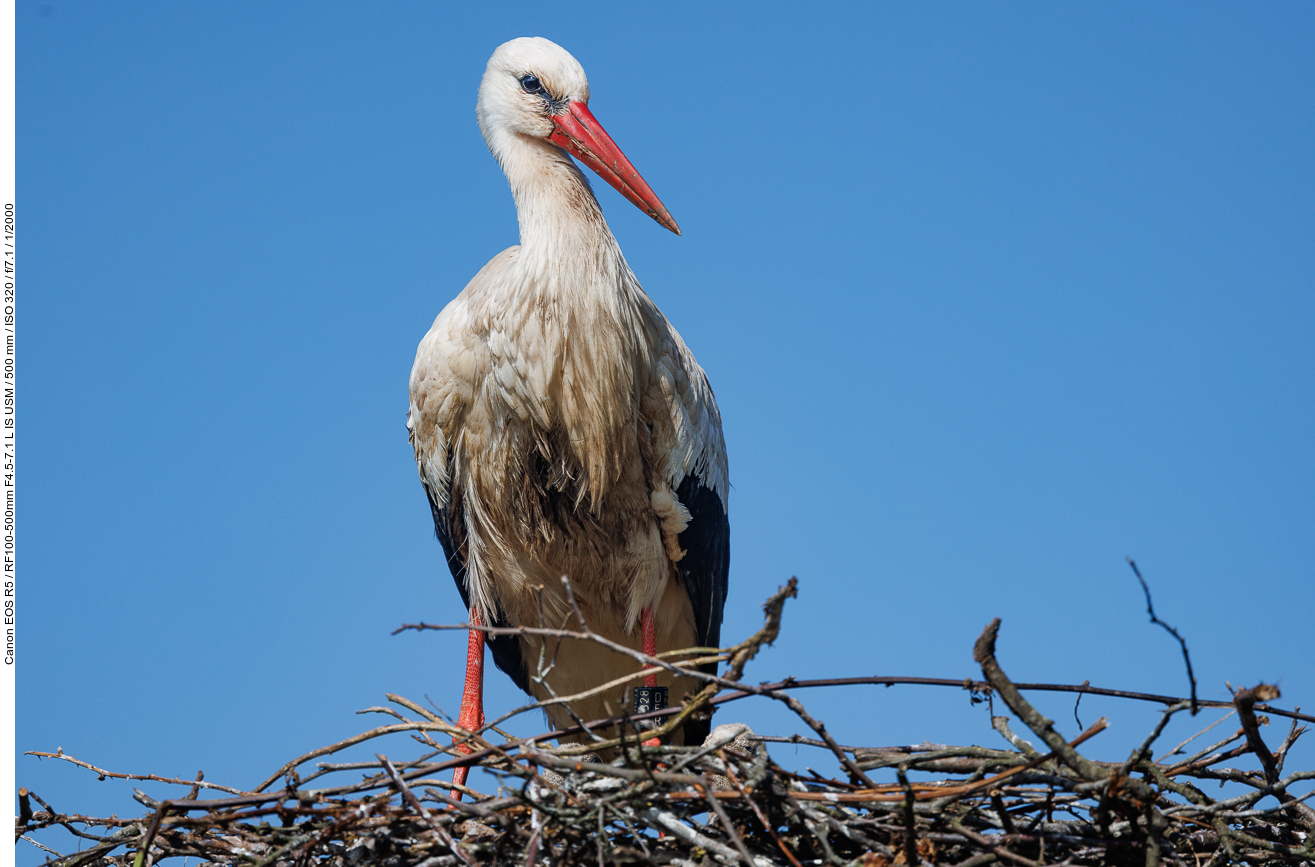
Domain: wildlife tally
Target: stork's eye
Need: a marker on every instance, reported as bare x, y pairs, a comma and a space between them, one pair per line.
531, 84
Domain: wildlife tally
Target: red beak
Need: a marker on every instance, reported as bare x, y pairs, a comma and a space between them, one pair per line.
583, 137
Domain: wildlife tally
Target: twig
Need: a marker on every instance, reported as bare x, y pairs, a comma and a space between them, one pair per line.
1174, 751
667, 822
411, 799
1001, 724
575, 607
984, 654
910, 821
1150, 609
1081, 692
1144, 750
39, 846
726, 823
445, 728
103, 774
1245, 701
24, 811
757, 811
990, 846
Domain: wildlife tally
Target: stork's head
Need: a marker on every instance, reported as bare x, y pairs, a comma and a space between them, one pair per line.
535, 90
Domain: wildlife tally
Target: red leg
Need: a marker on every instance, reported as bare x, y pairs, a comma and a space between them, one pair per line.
648, 624
471, 717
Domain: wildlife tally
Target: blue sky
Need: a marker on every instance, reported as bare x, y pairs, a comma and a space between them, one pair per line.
991, 297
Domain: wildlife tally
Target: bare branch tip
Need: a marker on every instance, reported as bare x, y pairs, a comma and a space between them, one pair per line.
984, 649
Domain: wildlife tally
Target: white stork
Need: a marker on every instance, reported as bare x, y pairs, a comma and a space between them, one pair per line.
560, 424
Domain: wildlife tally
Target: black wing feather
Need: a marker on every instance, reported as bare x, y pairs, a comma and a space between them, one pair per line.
703, 570
506, 648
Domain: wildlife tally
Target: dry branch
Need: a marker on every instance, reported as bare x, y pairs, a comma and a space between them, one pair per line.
727, 802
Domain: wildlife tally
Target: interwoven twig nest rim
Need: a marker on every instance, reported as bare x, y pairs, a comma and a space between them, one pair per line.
727, 802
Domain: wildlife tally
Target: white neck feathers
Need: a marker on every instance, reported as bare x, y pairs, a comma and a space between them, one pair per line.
577, 308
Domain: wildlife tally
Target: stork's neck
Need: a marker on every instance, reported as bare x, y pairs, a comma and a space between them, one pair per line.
563, 232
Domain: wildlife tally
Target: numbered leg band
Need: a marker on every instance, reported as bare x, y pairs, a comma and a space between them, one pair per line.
649, 698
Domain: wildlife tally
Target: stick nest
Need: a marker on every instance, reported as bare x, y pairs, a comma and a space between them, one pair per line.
727, 802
